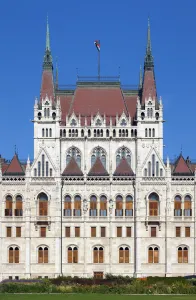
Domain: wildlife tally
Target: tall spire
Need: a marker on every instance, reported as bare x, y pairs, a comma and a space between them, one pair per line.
149, 62
47, 36
140, 77
47, 63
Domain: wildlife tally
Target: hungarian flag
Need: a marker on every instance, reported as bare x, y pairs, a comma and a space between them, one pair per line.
97, 45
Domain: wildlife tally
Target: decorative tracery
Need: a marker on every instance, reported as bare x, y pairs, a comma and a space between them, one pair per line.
75, 153
98, 152
123, 152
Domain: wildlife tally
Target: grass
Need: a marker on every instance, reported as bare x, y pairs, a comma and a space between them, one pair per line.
93, 296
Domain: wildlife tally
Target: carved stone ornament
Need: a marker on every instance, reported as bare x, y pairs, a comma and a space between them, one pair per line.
85, 205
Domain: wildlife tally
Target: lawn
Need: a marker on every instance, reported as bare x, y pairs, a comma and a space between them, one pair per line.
92, 296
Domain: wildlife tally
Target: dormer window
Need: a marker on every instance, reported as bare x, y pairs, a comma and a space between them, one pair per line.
98, 122
123, 122
73, 122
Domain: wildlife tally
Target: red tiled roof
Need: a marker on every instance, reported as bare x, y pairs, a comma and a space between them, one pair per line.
131, 104
14, 168
149, 86
105, 100
72, 169
98, 169
65, 101
181, 167
47, 86
123, 169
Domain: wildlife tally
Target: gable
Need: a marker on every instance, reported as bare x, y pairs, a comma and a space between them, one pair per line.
47, 162
153, 165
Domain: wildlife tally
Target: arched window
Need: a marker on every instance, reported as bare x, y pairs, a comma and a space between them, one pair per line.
64, 133
187, 206
69, 132
72, 255
153, 204
89, 133
149, 132
177, 206
129, 206
114, 132
132, 133
13, 255
107, 133
103, 206
47, 168
157, 168
61, 133
153, 132
46, 132
35, 172
45, 112
50, 132
148, 112
50, 172
98, 152
93, 206
43, 164
42, 132
153, 255
75, 153
127, 133
135, 132
119, 132
146, 132
149, 168
77, 206
42, 255
124, 255
153, 165
18, 210
95, 133
123, 152
67, 206
8, 206
39, 168
119, 206
82, 133
145, 172
98, 255
43, 204
182, 255
48, 112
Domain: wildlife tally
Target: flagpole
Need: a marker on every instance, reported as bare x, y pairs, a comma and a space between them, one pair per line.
99, 65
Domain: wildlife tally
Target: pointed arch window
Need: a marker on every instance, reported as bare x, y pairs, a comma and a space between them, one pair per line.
157, 168
50, 132
93, 206
153, 204
146, 132
67, 206
187, 206
72, 255
14, 255
103, 206
77, 206
39, 168
42, 132
153, 255
75, 153
8, 206
42, 255
119, 206
43, 165
129, 206
149, 168
123, 152
98, 255
153, 165
182, 255
47, 168
177, 206
18, 211
46, 132
98, 152
43, 204
124, 255
153, 132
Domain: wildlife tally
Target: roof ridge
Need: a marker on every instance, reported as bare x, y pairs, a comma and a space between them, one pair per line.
17, 172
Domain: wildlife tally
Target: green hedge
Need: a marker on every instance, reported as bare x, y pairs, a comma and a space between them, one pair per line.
135, 287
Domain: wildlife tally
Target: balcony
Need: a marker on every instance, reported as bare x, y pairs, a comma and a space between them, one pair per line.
93, 212
118, 212
128, 212
43, 220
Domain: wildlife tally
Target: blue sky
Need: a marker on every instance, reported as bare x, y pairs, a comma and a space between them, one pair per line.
122, 27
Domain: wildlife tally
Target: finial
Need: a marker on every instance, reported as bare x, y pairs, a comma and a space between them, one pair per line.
149, 39
15, 150
140, 78
47, 36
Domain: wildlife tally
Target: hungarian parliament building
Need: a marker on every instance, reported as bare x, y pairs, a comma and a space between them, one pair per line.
98, 197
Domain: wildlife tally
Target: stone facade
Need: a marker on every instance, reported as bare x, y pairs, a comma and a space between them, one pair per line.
149, 212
